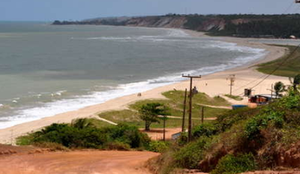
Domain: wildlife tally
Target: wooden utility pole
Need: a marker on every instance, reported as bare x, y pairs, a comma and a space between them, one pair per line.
232, 79
202, 115
272, 90
164, 131
184, 110
190, 104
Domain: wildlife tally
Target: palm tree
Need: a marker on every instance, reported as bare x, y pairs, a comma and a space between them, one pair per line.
279, 87
150, 112
295, 82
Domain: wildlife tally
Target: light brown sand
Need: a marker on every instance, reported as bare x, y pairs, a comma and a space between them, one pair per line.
213, 85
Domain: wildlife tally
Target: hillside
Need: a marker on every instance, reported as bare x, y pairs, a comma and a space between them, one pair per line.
258, 26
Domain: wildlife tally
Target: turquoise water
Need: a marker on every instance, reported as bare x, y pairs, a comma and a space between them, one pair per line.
46, 70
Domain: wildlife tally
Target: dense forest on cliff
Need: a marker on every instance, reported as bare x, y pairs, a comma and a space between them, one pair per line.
239, 25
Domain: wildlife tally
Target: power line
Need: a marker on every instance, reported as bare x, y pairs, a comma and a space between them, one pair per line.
282, 63
286, 10
250, 82
268, 75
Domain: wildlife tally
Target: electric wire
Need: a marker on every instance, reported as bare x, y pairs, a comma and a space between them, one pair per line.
279, 66
288, 8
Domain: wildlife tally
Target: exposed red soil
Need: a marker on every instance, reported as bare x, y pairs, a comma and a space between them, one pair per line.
76, 162
157, 134
274, 172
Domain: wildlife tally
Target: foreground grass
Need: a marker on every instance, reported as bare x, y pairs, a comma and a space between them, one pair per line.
238, 141
175, 103
289, 68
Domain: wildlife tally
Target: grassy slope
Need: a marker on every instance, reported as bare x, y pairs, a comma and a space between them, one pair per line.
175, 103
289, 69
264, 133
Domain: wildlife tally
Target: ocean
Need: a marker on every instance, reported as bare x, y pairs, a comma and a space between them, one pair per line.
46, 70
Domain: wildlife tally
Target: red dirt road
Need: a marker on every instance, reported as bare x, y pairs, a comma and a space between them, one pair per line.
78, 162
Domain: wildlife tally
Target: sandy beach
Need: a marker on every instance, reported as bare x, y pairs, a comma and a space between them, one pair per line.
213, 85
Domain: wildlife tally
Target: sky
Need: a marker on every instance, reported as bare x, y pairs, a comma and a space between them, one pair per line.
49, 10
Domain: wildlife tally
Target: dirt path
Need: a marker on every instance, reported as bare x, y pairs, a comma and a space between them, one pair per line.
157, 133
78, 162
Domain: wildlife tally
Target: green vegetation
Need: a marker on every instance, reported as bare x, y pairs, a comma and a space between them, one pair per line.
231, 164
174, 103
279, 88
82, 135
287, 67
93, 133
279, 26
234, 97
240, 25
239, 140
158, 146
150, 112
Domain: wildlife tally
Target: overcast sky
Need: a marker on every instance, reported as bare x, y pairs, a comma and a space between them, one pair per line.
49, 10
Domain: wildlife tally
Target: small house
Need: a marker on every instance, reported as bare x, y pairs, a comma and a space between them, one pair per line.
261, 99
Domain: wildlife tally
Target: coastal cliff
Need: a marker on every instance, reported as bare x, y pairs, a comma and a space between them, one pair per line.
258, 26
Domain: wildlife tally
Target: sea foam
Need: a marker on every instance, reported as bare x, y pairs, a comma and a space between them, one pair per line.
77, 102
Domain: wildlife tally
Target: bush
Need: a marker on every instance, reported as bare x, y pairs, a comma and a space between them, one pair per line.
79, 136
190, 155
158, 146
227, 120
259, 122
231, 164
292, 101
205, 129
127, 134
183, 139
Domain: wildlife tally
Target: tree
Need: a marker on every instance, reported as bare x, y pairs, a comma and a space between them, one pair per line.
150, 112
296, 81
279, 87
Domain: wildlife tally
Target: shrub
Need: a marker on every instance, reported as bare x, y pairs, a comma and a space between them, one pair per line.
127, 134
205, 129
292, 101
227, 120
259, 122
190, 155
183, 139
88, 137
231, 164
158, 146
24, 140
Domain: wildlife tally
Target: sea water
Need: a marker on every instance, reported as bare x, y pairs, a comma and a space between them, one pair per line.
46, 70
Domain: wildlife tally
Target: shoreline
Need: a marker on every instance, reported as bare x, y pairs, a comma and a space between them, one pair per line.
212, 84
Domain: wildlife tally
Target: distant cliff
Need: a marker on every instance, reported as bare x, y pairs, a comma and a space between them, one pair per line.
271, 26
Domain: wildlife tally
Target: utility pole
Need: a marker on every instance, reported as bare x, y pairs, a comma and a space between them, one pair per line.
184, 110
202, 115
190, 103
164, 131
272, 90
231, 78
